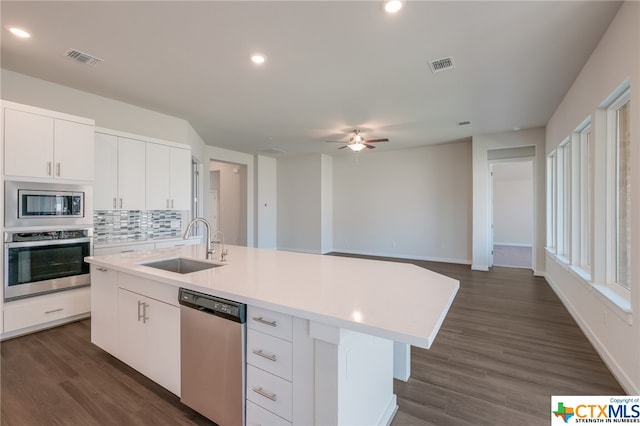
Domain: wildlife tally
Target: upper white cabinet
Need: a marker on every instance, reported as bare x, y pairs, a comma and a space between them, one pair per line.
131, 174
47, 145
168, 174
120, 175
138, 173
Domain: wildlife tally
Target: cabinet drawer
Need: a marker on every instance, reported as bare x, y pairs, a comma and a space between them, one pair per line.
258, 416
269, 391
153, 289
42, 309
269, 353
270, 322
102, 251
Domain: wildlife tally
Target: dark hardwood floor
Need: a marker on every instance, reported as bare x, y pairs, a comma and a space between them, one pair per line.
506, 346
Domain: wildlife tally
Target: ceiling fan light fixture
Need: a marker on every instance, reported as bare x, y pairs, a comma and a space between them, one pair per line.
393, 6
356, 146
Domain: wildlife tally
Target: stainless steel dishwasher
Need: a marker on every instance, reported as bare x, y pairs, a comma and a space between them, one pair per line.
212, 356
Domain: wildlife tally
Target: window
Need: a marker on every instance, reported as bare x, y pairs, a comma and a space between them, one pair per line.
584, 187
619, 135
620, 114
551, 202
564, 201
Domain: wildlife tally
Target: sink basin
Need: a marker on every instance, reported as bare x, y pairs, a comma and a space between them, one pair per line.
181, 265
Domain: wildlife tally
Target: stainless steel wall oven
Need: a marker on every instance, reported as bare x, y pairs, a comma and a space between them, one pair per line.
39, 262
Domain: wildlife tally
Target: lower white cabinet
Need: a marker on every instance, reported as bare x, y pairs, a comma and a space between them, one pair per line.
149, 338
27, 315
270, 384
104, 309
137, 321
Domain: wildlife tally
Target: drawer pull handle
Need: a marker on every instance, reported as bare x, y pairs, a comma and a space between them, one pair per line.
266, 322
270, 357
260, 391
101, 269
54, 311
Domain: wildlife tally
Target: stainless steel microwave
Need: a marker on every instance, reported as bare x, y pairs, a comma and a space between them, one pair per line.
29, 204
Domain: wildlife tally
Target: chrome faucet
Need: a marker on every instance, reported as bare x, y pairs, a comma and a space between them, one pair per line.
209, 241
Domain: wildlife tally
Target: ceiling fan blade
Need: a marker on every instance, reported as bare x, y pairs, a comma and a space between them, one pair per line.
343, 147
369, 146
377, 140
337, 141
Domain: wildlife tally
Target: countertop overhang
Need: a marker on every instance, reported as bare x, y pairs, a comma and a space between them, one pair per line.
397, 301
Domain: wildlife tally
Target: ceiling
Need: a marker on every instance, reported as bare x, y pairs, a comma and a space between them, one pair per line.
331, 65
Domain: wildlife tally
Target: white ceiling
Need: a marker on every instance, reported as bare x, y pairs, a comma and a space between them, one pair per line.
331, 65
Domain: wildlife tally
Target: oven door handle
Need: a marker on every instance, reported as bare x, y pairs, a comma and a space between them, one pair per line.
47, 243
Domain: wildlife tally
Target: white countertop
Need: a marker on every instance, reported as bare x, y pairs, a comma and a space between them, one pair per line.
397, 301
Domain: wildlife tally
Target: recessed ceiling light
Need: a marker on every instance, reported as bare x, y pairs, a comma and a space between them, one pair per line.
258, 58
19, 32
515, 129
392, 6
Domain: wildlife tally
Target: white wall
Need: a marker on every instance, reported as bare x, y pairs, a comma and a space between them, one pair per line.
413, 203
513, 205
266, 202
300, 203
106, 112
481, 202
614, 333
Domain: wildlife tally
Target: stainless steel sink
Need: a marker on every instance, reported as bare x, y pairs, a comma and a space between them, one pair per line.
181, 265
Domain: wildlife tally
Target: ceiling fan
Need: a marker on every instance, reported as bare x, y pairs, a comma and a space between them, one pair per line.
358, 143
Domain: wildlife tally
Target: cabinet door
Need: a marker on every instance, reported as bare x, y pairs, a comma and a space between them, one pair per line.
105, 184
158, 175
73, 150
131, 174
28, 144
104, 309
163, 344
131, 330
180, 179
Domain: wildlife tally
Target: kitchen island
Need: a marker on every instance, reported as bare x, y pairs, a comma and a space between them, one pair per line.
344, 316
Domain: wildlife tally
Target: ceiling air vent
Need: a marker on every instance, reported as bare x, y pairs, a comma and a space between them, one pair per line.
83, 58
441, 64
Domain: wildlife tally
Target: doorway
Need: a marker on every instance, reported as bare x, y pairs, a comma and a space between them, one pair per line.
512, 205
228, 197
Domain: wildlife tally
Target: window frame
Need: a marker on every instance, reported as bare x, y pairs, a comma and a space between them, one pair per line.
612, 253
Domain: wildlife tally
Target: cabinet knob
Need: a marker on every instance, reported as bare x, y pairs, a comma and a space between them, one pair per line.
48, 168
58, 169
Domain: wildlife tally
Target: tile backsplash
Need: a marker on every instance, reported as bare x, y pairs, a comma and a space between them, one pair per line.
113, 226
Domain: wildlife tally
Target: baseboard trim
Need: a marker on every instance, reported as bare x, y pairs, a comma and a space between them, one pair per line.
483, 268
403, 256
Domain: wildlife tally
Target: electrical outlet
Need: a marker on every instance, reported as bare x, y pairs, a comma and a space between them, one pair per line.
393, 244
